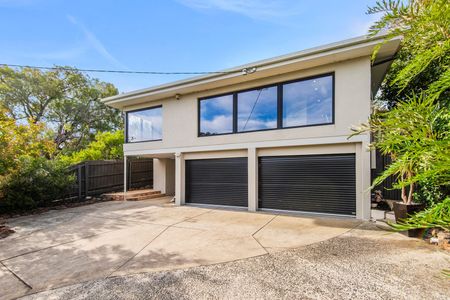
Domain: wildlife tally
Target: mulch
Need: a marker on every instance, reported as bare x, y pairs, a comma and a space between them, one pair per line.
5, 231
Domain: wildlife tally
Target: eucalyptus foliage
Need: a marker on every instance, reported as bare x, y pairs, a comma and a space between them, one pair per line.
66, 100
423, 63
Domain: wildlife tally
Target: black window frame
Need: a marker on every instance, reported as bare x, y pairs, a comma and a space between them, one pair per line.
126, 123
279, 86
233, 113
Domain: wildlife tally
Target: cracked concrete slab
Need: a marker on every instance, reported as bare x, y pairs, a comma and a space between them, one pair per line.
26, 225
232, 222
291, 232
97, 241
363, 263
184, 247
165, 215
84, 259
11, 286
73, 229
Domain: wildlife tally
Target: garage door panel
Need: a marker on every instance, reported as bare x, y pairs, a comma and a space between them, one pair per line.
312, 183
217, 181
210, 171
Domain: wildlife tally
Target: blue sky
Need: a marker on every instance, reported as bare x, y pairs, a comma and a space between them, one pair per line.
169, 35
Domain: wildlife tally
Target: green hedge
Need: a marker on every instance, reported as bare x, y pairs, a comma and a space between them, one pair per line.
36, 182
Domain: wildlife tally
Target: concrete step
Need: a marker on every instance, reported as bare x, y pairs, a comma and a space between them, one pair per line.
133, 195
145, 197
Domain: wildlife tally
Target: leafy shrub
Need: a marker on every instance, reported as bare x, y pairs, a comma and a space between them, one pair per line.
429, 193
107, 145
18, 139
416, 135
36, 182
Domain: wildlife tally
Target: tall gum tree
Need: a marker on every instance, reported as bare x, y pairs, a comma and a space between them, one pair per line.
65, 99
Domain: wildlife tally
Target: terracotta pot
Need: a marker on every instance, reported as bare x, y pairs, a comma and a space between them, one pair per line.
402, 211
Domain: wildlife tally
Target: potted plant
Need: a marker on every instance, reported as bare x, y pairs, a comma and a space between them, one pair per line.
437, 217
416, 132
405, 167
410, 134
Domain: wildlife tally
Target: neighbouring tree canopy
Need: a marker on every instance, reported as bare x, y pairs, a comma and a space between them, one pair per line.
107, 145
17, 140
423, 62
66, 100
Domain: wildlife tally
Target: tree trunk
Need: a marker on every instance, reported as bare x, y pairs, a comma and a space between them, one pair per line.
410, 195
404, 197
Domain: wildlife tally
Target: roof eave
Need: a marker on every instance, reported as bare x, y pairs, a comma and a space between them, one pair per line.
358, 47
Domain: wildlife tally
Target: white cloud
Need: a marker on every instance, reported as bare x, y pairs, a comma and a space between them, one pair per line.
255, 124
219, 124
95, 43
255, 9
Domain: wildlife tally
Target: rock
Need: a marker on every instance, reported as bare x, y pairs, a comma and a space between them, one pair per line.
434, 240
444, 240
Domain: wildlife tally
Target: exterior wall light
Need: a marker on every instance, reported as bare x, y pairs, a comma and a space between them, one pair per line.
247, 71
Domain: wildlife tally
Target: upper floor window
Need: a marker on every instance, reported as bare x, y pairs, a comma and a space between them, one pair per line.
144, 125
216, 115
308, 102
257, 109
304, 102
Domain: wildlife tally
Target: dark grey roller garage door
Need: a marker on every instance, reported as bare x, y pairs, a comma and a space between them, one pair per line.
217, 181
312, 183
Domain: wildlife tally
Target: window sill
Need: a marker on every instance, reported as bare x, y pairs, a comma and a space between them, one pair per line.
268, 129
137, 142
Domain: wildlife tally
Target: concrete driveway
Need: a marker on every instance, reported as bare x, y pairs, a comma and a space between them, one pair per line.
104, 240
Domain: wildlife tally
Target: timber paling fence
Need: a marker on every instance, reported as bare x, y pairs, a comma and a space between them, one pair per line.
93, 178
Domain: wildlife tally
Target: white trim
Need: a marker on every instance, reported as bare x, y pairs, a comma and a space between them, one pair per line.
179, 179
266, 144
252, 182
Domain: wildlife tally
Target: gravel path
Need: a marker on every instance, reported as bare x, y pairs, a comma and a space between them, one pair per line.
365, 263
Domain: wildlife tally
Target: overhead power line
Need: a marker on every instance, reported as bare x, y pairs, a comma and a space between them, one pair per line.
244, 71
253, 108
